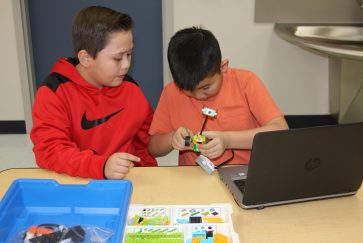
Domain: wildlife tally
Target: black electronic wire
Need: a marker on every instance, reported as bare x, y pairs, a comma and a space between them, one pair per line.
205, 122
225, 162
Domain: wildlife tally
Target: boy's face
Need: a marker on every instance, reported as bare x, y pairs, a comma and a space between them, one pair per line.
112, 63
206, 88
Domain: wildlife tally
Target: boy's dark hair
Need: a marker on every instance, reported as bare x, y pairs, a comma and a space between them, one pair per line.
193, 55
92, 26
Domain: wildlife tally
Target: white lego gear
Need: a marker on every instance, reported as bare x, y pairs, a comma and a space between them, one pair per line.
209, 112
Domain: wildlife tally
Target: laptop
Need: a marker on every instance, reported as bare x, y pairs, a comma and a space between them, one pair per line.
298, 165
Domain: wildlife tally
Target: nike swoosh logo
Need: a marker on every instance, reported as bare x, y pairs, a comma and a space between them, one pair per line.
88, 124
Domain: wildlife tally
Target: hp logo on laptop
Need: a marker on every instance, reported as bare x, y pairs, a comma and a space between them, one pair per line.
312, 163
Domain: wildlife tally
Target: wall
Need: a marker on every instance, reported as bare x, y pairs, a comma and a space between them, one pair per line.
297, 79
11, 101
308, 11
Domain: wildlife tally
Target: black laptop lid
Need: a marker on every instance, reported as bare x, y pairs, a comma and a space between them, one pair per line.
305, 163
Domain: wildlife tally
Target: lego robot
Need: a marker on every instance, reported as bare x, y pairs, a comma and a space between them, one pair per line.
197, 139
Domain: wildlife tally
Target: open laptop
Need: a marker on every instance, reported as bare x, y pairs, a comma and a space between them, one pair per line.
298, 165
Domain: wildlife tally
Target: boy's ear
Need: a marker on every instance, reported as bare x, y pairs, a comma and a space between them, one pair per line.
84, 58
224, 65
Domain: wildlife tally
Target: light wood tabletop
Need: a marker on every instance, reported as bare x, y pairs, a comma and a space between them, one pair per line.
331, 220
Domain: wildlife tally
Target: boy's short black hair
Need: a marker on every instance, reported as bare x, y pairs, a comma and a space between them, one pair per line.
193, 55
92, 26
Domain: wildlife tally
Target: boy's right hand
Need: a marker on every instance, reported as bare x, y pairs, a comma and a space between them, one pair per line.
119, 164
178, 139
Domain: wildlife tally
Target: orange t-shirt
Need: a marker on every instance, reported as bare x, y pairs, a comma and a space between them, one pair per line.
242, 103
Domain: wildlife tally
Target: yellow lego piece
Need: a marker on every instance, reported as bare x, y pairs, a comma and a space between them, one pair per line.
220, 238
212, 220
196, 239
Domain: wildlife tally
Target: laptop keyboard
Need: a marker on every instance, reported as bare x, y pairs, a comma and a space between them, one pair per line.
240, 184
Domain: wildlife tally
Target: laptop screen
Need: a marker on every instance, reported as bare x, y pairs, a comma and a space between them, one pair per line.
302, 164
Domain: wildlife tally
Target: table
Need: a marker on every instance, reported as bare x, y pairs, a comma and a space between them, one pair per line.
331, 220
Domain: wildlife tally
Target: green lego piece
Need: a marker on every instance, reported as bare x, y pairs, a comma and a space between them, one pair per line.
154, 237
198, 139
150, 220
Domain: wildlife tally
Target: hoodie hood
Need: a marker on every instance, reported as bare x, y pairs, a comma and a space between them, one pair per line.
67, 68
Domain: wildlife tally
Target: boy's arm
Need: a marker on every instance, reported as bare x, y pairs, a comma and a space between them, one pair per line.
244, 139
163, 143
237, 139
160, 144
163, 136
53, 147
141, 142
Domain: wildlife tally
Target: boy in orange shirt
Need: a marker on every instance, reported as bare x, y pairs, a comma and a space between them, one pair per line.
202, 79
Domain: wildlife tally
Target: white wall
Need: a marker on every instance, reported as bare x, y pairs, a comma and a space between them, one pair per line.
297, 79
11, 101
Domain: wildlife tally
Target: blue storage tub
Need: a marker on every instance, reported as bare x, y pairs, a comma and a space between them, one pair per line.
100, 203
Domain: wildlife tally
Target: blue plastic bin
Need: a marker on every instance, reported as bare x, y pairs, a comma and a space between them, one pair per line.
101, 203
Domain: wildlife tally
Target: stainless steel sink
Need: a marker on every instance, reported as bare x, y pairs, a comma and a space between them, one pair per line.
338, 34
344, 41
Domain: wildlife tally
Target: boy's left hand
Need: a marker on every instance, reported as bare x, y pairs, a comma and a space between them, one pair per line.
216, 146
178, 137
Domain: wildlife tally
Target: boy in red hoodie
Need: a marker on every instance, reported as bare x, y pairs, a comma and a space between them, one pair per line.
90, 118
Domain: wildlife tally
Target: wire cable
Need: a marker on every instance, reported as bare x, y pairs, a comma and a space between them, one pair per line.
225, 162
205, 122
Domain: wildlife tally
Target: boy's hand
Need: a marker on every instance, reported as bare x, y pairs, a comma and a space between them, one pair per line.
119, 164
178, 139
218, 142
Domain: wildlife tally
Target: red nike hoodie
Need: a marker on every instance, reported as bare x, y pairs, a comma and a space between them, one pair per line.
77, 126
